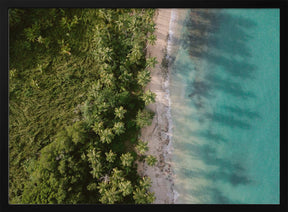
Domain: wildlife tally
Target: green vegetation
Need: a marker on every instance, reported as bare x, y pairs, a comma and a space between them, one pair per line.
77, 104
151, 160
142, 147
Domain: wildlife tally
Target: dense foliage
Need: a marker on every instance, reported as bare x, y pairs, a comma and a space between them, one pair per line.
77, 103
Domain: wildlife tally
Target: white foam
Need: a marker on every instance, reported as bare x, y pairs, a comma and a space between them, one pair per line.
169, 148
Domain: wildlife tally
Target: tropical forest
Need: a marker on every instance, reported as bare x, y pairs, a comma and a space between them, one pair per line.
77, 103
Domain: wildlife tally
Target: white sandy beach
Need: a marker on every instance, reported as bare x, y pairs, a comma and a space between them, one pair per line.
156, 133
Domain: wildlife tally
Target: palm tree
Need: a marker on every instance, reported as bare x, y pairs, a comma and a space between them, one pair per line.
141, 196
119, 128
151, 62
110, 156
108, 187
119, 112
142, 147
98, 127
127, 159
95, 163
117, 175
110, 196
96, 170
143, 77
93, 155
145, 182
150, 197
152, 39
151, 160
102, 186
148, 97
143, 118
106, 136
125, 187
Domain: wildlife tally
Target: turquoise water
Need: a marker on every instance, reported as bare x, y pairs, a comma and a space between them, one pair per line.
225, 107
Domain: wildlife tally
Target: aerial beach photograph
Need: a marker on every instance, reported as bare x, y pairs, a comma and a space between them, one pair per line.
144, 106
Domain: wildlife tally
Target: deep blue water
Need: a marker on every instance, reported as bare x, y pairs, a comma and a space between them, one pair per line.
225, 107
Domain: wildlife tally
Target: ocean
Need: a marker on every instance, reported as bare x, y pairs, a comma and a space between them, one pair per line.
224, 104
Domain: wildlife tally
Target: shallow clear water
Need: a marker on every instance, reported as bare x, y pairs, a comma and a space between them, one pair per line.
226, 133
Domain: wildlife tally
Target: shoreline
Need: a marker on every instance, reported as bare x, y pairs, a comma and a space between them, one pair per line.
157, 134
